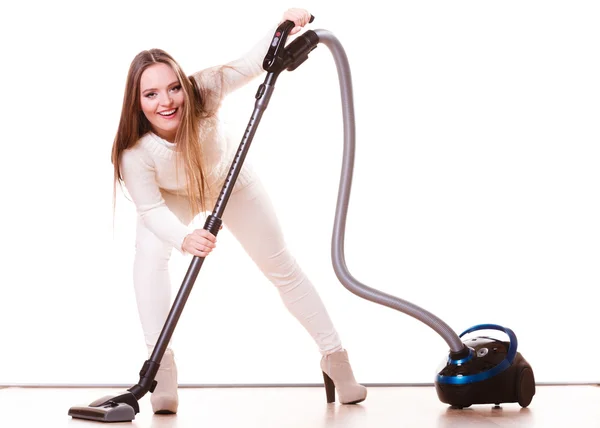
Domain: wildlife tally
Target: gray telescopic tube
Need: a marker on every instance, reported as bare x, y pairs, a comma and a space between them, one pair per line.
337, 248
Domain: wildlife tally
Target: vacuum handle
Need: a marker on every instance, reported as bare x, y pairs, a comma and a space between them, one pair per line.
274, 55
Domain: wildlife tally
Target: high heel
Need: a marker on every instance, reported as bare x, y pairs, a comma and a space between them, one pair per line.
338, 375
329, 388
165, 399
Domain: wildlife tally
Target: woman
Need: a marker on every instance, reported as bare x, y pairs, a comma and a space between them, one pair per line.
172, 155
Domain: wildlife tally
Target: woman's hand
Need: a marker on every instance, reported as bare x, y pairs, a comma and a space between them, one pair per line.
300, 17
199, 243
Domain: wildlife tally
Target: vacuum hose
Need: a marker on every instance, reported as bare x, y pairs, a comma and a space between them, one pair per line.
337, 248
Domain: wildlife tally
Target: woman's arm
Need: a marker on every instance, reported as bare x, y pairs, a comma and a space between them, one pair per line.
139, 179
217, 82
222, 80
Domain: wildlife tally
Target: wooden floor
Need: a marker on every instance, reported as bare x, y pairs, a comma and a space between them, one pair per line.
397, 407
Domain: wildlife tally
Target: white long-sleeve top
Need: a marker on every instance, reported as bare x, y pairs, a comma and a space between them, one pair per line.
149, 167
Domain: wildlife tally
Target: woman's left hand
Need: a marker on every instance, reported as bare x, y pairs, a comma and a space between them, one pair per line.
300, 17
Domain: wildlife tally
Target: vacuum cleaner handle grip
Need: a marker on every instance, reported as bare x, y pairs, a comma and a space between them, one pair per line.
273, 58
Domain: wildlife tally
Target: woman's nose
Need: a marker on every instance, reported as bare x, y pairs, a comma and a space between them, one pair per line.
166, 99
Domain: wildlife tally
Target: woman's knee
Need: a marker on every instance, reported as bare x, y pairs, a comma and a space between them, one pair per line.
281, 268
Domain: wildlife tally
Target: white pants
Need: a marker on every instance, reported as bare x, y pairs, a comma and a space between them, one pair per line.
250, 217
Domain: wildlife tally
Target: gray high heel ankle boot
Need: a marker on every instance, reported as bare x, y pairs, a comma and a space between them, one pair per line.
337, 374
165, 399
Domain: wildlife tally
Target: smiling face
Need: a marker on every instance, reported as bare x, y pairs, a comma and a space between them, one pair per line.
161, 99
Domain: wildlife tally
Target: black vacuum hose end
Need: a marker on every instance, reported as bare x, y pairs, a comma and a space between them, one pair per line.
460, 355
297, 52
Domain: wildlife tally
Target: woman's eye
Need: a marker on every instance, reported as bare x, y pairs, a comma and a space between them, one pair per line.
176, 88
150, 95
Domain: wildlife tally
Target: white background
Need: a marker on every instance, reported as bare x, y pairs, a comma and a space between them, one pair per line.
476, 190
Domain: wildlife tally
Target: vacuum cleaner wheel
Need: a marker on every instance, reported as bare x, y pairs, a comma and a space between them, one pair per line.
526, 387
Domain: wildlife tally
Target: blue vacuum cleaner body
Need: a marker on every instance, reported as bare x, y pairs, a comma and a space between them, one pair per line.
490, 372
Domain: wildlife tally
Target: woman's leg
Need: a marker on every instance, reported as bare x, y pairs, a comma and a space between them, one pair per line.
152, 286
151, 278
251, 218
151, 282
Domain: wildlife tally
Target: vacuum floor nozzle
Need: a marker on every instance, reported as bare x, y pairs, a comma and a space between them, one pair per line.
118, 412
119, 408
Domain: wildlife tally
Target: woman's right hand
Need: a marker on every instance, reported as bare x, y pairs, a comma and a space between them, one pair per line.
199, 243
300, 17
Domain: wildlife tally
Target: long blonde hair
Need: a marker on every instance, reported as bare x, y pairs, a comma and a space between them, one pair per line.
133, 125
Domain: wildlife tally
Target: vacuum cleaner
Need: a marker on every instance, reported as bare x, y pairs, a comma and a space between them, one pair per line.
478, 370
